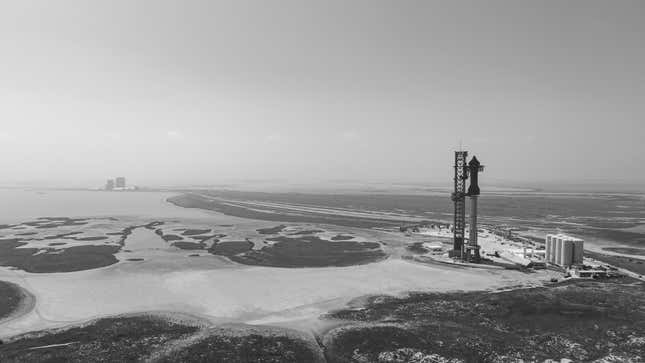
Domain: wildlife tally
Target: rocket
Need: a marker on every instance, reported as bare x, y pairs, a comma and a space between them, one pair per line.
474, 167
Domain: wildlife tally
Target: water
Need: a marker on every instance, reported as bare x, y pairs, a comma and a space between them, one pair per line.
144, 239
601, 219
24, 205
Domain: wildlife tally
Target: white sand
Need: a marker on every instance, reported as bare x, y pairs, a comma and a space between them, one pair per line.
244, 294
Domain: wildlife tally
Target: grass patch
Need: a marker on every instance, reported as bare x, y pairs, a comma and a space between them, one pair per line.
245, 348
341, 237
77, 258
10, 298
194, 232
272, 230
230, 248
106, 340
582, 321
311, 251
626, 250
189, 245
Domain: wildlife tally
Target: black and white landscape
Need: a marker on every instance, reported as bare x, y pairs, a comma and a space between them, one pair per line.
322, 181
208, 274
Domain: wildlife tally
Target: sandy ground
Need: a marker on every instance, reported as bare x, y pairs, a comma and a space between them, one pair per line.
231, 292
168, 279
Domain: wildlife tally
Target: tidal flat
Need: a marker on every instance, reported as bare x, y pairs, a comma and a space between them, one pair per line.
311, 251
296, 280
581, 321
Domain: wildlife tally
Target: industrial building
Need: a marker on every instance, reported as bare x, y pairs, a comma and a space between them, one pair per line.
120, 182
109, 185
564, 251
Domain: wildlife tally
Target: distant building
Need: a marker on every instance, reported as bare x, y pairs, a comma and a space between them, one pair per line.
563, 250
109, 185
120, 182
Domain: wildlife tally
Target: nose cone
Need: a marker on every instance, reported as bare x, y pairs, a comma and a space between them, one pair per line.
474, 162
474, 167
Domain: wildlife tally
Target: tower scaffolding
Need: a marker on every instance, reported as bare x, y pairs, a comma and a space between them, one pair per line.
459, 198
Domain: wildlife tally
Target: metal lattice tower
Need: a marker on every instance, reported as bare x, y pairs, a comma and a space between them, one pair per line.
459, 198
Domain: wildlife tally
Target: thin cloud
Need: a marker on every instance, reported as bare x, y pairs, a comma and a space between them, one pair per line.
350, 135
173, 134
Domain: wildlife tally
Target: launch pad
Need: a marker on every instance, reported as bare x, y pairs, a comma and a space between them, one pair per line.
463, 171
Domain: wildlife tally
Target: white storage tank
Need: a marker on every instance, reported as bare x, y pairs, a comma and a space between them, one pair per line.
563, 250
547, 248
578, 251
558, 250
552, 249
567, 253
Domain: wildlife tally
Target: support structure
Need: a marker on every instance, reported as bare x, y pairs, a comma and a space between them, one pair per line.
459, 198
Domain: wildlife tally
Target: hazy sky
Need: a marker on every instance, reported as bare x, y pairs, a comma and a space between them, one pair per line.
206, 91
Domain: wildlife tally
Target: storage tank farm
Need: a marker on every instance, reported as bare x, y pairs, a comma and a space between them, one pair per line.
563, 250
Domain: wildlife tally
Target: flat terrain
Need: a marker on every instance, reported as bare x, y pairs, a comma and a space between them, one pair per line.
69, 245
189, 245
240, 343
626, 250
10, 298
127, 339
286, 260
231, 248
311, 251
161, 338
212, 286
62, 244
248, 348
76, 258
615, 218
582, 321
248, 210
629, 263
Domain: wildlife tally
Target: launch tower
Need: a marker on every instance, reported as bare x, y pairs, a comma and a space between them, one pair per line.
459, 198
463, 171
